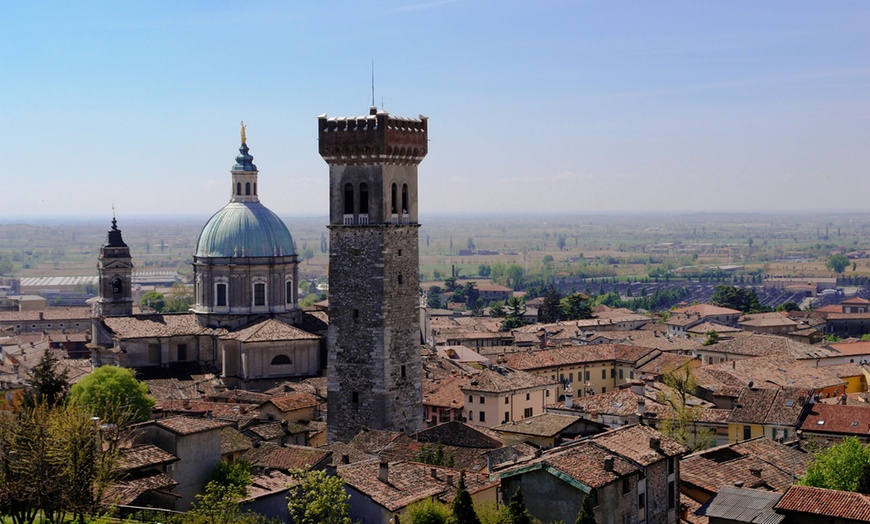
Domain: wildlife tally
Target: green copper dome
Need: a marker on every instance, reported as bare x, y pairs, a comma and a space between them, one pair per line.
244, 229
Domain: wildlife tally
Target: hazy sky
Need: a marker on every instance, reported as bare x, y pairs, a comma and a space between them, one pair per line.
567, 106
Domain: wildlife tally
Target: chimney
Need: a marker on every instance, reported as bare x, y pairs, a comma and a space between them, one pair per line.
655, 443
434, 473
569, 400
756, 472
345, 459
450, 480
41, 316
641, 406
843, 398
608, 463
384, 472
637, 387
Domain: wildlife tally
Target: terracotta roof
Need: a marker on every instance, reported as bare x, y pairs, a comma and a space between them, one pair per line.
772, 371
49, 314
270, 330
444, 391
856, 301
238, 396
373, 441
188, 425
233, 441
144, 456
504, 380
285, 457
765, 345
826, 502
569, 355
542, 425
583, 462
852, 348
215, 410
636, 443
706, 310
835, 418
340, 450
266, 430
408, 482
704, 327
264, 484
177, 388
770, 406
766, 320
149, 326
460, 434
293, 402
126, 492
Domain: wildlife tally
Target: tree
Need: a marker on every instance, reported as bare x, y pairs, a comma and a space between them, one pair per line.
587, 514
788, 306
551, 307
517, 509
681, 426
114, 395
316, 498
560, 241
153, 300
576, 307
462, 507
741, 299
514, 317
712, 338
219, 504
864, 480
497, 311
484, 270
426, 511
838, 263
307, 254
49, 382
514, 274
179, 298
839, 466
231, 473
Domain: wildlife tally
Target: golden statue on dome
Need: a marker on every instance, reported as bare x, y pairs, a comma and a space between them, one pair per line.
244, 138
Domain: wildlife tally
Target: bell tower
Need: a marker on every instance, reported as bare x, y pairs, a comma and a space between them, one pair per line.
373, 362
115, 267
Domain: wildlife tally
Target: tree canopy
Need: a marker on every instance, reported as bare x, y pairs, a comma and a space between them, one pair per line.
838, 263
49, 382
839, 466
462, 507
114, 395
317, 498
741, 299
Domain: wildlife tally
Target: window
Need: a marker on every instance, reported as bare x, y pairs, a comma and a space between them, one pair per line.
221, 299
612, 373
528, 412
747, 432
404, 199
671, 466
247, 188
631, 374
363, 199
400, 279
255, 188
528, 396
354, 397
470, 415
571, 377
482, 400
259, 294
348, 199
626, 485
239, 188
604, 390
288, 291
506, 400
281, 360
403, 372
603, 373
587, 376
672, 495
547, 393
182, 352
507, 416
354, 313
620, 374
399, 252
482, 416
117, 286
393, 191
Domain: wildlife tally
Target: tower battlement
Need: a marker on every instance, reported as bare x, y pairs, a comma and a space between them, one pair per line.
375, 138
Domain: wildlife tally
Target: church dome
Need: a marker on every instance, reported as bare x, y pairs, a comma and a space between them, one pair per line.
244, 229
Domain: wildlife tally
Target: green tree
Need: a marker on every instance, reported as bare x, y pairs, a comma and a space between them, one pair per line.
517, 509
484, 270
712, 338
497, 310
576, 306
587, 513
741, 299
218, 504
307, 254
514, 317
49, 382
838, 263
839, 466
114, 395
864, 479
551, 307
179, 298
462, 507
231, 473
514, 274
435, 455
317, 498
681, 426
788, 306
153, 300
426, 511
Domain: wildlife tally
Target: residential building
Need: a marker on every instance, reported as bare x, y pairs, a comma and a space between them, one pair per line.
501, 394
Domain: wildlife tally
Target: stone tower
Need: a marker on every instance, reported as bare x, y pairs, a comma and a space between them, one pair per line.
115, 268
374, 336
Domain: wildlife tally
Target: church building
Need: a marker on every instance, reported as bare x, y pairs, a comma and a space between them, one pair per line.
245, 323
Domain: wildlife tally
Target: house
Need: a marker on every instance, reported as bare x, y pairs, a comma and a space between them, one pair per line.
197, 444
502, 394
756, 463
771, 412
768, 323
143, 479
296, 407
545, 430
831, 423
381, 490
585, 370
267, 494
809, 505
632, 473
286, 458
709, 312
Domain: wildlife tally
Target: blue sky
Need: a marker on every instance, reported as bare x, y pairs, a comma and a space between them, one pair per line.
539, 106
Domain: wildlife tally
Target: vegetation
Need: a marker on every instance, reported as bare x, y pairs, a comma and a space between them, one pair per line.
838, 263
587, 515
434, 455
49, 385
462, 508
841, 466
114, 395
153, 300
517, 512
427, 511
514, 317
681, 427
316, 498
741, 299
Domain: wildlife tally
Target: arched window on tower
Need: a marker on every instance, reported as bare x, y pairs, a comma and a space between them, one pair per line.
393, 191
117, 286
221, 295
348, 199
363, 199
288, 292
238, 188
247, 188
404, 199
255, 188
259, 294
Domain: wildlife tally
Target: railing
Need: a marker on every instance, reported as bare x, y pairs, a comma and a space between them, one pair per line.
363, 220
350, 220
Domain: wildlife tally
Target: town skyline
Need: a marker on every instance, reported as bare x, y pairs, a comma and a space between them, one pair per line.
559, 107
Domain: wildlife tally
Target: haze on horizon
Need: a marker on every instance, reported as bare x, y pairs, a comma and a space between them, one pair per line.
535, 107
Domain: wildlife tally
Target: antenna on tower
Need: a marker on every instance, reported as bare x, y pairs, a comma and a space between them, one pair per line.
373, 82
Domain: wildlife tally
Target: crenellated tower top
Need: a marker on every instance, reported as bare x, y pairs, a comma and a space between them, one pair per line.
375, 138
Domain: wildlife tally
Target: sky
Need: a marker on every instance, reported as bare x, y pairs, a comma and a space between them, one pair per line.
534, 106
